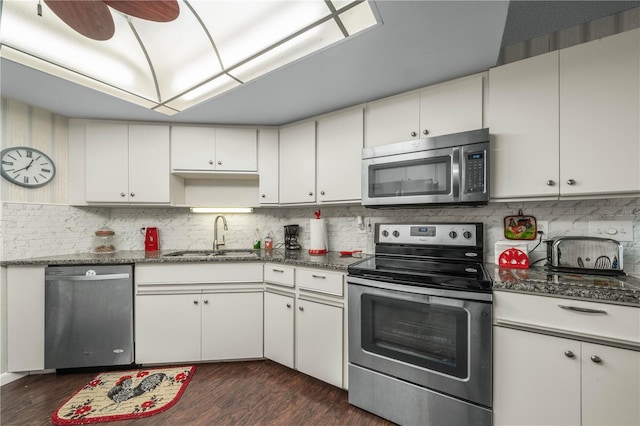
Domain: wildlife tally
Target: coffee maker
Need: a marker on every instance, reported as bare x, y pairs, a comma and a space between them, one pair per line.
291, 237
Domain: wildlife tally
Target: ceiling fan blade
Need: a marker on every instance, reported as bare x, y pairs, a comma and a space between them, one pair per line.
91, 18
151, 10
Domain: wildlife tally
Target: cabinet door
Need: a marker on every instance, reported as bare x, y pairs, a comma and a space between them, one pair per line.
610, 386
149, 171
278, 328
167, 328
25, 318
524, 124
395, 119
319, 341
236, 150
534, 381
268, 165
340, 140
600, 116
231, 326
107, 162
298, 163
193, 148
451, 108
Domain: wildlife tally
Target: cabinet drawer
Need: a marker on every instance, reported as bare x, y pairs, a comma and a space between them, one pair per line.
568, 316
199, 273
279, 274
320, 281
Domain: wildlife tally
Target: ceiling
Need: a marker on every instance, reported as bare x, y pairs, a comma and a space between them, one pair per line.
419, 43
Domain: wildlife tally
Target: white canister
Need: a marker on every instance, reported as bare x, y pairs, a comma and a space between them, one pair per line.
318, 242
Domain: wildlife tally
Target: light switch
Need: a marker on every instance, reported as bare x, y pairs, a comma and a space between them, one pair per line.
619, 230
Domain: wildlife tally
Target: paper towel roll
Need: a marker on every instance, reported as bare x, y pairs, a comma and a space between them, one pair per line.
318, 243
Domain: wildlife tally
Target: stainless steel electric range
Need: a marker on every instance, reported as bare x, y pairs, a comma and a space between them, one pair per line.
420, 347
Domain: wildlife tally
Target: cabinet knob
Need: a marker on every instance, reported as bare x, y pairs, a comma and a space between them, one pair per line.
321, 192
206, 301
301, 308
569, 354
425, 132
133, 194
288, 305
571, 182
219, 163
195, 302
210, 161
414, 134
551, 182
596, 359
310, 193
263, 196
122, 194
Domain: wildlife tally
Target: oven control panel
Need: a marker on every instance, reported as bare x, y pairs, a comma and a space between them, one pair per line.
448, 234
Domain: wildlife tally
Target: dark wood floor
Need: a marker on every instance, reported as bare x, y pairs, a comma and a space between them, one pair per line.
236, 393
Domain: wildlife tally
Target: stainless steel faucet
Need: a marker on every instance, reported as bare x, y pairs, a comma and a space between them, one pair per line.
216, 243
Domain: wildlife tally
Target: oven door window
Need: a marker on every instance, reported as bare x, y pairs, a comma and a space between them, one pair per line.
431, 336
427, 176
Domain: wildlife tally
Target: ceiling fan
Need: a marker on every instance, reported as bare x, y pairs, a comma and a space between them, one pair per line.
92, 18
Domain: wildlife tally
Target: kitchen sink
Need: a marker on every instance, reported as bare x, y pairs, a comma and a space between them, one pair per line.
210, 253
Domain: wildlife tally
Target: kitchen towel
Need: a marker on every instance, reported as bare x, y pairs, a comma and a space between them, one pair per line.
318, 242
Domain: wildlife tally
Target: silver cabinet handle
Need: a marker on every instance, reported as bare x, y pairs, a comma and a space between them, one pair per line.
133, 194
322, 277
210, 161
206, 301
195, 302
263, 196
569, 354
122, 194
583, 310
321, 192
219, 163
425, 132
289, 305
414, 134
571, 182
310, 193
301, 308
551, 182
278, 270
596, 359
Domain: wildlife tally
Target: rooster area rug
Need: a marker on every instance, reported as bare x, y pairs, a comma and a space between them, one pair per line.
124, 395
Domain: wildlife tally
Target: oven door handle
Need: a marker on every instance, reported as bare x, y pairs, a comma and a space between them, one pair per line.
428, 291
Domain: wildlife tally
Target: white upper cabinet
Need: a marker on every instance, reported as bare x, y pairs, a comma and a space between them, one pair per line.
600, 116
450, 107
268, 165
127, 163
298, 163
340, 141
210, 149
524, 124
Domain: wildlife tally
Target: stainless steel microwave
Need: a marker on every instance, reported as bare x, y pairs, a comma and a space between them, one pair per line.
447, 170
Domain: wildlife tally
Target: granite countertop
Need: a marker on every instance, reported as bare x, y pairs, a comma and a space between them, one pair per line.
332, 260
623, 290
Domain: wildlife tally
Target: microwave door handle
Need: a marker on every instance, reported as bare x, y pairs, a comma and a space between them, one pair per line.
455, 173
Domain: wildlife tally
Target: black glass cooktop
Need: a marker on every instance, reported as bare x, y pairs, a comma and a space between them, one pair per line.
436, 273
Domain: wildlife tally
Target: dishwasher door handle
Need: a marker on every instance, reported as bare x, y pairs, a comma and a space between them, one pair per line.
87, 277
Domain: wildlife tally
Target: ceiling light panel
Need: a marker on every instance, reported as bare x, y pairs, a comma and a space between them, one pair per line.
358, 18
118, 61
221, 84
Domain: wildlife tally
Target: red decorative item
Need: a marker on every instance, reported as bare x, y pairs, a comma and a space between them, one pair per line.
513, 258
151, 241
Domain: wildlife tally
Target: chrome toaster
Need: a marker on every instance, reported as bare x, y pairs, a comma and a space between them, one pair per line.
585, 254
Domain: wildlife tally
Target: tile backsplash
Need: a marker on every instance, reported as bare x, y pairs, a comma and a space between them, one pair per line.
34, 230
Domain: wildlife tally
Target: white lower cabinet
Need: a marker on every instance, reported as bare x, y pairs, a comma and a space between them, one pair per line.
319, 340
279, 328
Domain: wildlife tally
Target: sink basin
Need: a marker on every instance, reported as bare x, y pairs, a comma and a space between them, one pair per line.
211, 253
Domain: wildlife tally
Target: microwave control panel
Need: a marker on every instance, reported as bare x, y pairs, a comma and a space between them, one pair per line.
474, 172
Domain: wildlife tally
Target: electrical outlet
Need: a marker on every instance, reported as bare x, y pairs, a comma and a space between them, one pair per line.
543, 226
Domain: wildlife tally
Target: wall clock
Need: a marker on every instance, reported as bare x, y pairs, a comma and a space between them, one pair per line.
26, 166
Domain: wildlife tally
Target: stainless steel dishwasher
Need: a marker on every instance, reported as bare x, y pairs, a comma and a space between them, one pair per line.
88, 316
